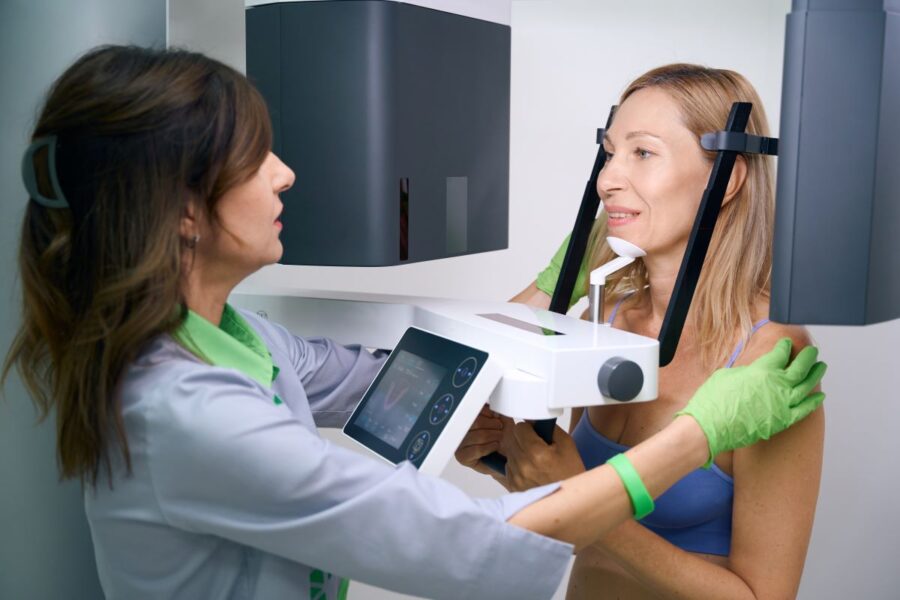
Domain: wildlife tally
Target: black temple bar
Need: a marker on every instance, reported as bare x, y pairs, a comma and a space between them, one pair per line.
737, 141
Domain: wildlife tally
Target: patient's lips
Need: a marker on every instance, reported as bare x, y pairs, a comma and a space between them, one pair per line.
619, 216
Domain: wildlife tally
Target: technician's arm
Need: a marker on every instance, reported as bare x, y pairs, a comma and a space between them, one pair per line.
227, 462
733, 409
597, 496
783, 493
334, 376
774, 507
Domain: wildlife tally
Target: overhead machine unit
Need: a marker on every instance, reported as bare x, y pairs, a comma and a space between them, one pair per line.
395, 117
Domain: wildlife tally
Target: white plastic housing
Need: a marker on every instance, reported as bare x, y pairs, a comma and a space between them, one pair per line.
541, 375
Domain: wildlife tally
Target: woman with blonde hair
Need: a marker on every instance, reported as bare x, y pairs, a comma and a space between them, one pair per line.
741, 528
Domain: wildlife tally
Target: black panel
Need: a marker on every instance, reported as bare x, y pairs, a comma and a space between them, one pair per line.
883, 298
414, 396
786, 190
453, 121
403, 225
264, 62
834, 5
336, 126
835, 261
367, 93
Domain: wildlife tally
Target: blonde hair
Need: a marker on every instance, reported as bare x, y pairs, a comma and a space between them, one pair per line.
739, 261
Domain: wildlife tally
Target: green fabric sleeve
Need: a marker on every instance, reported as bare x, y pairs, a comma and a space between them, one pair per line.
546, 279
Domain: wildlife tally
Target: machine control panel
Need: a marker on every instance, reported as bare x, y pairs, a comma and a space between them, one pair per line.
415, 396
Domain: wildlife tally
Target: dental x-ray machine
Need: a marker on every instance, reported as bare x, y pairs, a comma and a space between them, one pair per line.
360, 96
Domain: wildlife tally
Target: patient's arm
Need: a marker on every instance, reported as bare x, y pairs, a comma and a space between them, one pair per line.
532, 296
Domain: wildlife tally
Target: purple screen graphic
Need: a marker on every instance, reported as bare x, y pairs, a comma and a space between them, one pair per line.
398, 400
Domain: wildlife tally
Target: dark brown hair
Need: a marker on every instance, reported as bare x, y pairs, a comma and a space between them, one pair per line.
140, 133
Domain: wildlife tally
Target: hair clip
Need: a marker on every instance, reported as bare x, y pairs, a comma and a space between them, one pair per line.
29, 173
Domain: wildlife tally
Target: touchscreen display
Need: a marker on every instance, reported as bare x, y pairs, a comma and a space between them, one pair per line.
398, 400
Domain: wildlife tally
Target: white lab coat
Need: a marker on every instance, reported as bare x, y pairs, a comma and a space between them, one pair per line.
234, 496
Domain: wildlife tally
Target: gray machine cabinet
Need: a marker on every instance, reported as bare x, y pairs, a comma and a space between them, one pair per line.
837, 234
395, 119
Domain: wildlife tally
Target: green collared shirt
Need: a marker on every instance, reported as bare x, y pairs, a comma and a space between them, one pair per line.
236, 345
233, 344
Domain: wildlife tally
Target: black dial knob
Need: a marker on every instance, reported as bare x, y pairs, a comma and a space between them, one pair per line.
620, 379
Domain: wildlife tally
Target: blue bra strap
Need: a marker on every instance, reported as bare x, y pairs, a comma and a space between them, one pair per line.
615, 310
740, 346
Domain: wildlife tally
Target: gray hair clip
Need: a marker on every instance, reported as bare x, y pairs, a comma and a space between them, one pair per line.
29, 174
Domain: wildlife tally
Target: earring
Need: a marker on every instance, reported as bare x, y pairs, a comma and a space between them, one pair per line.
192, 243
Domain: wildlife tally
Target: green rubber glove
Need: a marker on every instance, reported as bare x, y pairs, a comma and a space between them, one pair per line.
739, 406
546, 279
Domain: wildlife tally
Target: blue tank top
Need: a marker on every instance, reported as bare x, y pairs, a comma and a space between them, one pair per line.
695, 513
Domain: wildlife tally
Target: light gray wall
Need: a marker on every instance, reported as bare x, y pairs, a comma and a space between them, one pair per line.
213, 27
45, 548
856, 538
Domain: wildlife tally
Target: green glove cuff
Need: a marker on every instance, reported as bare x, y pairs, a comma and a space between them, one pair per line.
546, 279
739, 406
641, 500
710, 434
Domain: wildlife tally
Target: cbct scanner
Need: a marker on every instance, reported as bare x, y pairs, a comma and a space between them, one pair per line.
397, 113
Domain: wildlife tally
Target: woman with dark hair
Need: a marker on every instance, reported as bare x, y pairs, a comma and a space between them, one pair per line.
192, 425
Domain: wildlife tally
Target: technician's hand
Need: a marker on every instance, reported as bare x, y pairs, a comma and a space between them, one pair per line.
738, 407
531, 461
483, 438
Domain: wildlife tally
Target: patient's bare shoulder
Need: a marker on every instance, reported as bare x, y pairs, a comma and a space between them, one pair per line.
768, 335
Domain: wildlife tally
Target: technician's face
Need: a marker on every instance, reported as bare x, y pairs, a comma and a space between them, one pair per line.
246, 237
654, 175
